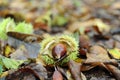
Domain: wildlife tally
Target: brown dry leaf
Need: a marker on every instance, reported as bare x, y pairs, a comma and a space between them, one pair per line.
75, 26
30, 50
20, 54
40, 70
97, 53
31, 72
57, 75
41, 26
68, 75
86, 67
114, 70
29, 38
18, 17
28, 44
84, 41
75, 69
98, 56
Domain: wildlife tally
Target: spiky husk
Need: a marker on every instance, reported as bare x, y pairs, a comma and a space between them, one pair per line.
8, 24
24, 28
5, 26
47, 60
72, 56
48, 43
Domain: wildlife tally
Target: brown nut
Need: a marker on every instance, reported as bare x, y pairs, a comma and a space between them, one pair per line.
59, 50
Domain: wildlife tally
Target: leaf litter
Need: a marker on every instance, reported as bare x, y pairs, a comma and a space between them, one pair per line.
59, 40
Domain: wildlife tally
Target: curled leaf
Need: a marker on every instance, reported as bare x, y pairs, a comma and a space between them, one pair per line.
32, 72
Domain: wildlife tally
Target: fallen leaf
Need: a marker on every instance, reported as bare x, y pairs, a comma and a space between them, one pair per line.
11, 63
115, 53
75, 70
7, 63
98, 56
32, 48
84, 41
114, 70
8, 50
97, 53
57, 75
20, 54
30, 72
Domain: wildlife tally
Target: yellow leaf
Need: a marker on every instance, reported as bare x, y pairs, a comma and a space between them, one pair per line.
4, 74
101, 25
8, 50
115, 53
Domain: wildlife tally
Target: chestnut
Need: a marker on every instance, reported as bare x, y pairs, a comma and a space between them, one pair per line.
59, 50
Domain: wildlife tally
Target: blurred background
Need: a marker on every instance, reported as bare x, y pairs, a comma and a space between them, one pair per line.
60, 15
90, 22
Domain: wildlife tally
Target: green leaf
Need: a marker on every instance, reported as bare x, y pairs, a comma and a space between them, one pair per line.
11, 63
1, 69
7, 63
